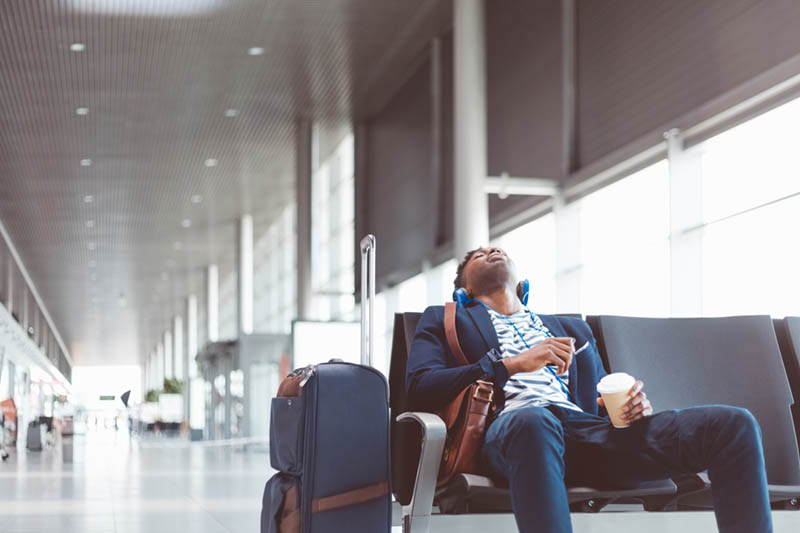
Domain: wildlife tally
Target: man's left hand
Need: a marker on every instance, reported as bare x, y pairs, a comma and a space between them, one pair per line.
637, 406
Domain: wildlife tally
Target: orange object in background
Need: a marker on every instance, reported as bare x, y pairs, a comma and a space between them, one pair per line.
9, 409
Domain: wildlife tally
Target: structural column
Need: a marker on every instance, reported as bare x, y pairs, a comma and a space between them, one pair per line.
194, 386
471, 209
160, 365
10, 285
568, 255
212, 302
685, 220
303, 167
245, 278
169, 362
177, 343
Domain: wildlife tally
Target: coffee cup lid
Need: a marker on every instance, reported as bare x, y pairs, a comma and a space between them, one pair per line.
616, 382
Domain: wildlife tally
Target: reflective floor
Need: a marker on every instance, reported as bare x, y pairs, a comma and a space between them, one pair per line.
119, 485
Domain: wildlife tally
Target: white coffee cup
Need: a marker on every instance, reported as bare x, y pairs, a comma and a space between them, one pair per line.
615, 389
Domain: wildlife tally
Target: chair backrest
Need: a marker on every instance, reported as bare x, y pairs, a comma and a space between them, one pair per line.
788, 333
406, 438
686, 362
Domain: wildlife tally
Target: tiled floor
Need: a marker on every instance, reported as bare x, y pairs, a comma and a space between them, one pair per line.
117, 485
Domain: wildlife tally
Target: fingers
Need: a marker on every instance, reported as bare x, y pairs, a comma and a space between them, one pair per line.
600, 401
554, 359
638, 407
637, 388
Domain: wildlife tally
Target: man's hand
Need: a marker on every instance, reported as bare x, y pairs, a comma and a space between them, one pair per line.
637, 406
553, 351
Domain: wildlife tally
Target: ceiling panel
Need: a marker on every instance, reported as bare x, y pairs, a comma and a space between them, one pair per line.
157, 77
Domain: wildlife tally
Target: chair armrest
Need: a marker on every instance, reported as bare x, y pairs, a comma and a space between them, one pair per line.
434, 433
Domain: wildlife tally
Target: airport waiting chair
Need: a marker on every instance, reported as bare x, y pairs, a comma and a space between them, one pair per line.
417, 443
686, 362
788, 332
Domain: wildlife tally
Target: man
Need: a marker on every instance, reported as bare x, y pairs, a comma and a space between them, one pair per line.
552, 428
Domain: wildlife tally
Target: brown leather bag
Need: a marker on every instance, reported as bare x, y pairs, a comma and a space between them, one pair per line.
466, 416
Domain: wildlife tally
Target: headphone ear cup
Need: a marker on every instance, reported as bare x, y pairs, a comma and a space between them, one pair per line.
461, 297
523, 291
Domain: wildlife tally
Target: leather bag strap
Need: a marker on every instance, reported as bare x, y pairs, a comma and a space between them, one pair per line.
451, 333
352, 497
290, 513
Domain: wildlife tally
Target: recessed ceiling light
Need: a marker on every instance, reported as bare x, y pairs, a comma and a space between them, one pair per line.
88, 199
91, 245
86, 162
82, 111
196, 198
177, 245
186, 223
92, 263
230, 113
255, 51
77, 47
210, 162
90, 223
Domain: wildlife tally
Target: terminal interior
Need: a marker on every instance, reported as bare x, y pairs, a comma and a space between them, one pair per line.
184, 185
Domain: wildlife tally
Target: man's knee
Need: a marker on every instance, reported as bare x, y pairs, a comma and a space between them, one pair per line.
735, 424
536, 428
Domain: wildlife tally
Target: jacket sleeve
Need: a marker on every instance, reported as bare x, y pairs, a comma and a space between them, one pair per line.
433, 378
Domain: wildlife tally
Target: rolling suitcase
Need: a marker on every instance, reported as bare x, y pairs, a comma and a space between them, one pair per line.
329, 441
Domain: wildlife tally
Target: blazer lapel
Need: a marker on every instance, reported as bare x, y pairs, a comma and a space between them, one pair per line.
553, 324
480, 317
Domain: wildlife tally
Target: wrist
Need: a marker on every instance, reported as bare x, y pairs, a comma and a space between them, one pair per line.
510, 364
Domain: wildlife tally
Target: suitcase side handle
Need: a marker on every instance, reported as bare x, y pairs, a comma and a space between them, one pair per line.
368, 245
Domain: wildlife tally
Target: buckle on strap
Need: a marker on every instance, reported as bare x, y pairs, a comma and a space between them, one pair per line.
485, 398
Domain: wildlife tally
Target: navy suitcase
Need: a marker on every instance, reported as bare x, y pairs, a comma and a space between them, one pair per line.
329, 442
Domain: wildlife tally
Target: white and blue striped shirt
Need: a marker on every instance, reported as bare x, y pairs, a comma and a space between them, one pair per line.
540, 388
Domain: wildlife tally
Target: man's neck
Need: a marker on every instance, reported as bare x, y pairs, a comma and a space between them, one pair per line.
502, 300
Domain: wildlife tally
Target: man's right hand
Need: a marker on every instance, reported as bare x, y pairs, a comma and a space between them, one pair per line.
553, 351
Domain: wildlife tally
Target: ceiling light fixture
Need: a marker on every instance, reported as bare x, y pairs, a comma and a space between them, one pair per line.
82, 111
255, 51
196, 198
86, 162
230, 113
88, 199
77, 47
210, 163
186, 223
90, 223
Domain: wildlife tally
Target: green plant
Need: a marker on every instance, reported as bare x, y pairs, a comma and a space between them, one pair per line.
173, 386
151, 396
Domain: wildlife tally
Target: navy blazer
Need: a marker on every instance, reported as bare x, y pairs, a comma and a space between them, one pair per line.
434, 378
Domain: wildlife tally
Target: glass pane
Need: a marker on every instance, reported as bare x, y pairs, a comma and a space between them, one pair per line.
751, 164
751, 263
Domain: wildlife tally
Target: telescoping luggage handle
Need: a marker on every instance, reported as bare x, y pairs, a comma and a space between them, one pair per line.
368, 244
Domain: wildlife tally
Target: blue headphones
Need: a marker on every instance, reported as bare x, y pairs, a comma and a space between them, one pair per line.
461, 296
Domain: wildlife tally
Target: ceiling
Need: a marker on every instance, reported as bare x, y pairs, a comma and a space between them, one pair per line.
104, 240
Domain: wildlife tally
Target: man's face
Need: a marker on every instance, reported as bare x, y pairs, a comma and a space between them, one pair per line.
487, 269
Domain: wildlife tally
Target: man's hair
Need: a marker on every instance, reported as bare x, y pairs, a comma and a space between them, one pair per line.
459, 281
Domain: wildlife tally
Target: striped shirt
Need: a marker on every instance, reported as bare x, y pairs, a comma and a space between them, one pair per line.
540, 388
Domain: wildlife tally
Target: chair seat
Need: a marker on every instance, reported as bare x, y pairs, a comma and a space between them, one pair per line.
469, 493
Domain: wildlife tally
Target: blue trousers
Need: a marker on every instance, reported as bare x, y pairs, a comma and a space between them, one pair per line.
542, 450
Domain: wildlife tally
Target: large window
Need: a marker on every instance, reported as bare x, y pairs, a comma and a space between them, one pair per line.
333, 233
275, 279
751, 208
624, 230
